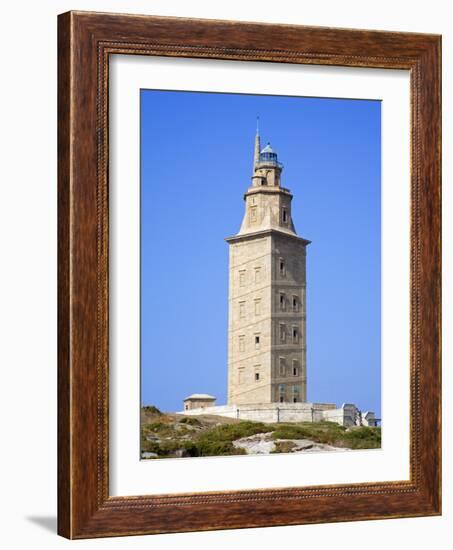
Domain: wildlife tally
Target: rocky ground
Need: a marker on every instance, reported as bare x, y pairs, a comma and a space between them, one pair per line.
264, 443
166, 435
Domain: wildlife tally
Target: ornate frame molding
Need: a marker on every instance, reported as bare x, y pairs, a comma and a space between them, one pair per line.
85, 41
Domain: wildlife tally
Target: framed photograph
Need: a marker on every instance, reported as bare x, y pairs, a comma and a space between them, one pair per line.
249, 275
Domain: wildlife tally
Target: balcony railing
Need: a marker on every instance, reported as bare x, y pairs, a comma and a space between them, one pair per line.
268, 162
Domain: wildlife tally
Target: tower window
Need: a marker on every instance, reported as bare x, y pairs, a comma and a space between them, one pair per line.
295, 335
241, 342
282, 301
257, 372
295, 303
257, 306
241, 375
282, 366
253, 214
284, 215
295, 367
282, 333
282, 267
257, 274
242, 277
257, 341
241, 310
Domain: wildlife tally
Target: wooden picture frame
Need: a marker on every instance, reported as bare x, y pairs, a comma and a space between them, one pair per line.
85, 42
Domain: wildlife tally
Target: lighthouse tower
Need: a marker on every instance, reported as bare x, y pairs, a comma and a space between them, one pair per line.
267, 289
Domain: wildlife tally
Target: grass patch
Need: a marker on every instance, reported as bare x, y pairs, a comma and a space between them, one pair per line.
362, 438
218, 441
321, 432
190, 420
161, 429
330, 433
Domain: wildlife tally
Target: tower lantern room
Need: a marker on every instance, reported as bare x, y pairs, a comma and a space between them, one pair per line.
268, 157
266, 169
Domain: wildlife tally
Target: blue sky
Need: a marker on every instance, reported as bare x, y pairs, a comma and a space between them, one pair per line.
196, 163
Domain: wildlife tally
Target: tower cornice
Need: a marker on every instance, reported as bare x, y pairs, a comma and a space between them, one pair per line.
268, 191
265, 233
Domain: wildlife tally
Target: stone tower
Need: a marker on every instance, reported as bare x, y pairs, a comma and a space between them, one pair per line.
267, 309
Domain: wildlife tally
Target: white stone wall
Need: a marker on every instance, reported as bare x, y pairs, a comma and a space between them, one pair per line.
277, 412
346, 415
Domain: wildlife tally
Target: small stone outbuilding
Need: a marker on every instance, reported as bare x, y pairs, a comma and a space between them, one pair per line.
198, 400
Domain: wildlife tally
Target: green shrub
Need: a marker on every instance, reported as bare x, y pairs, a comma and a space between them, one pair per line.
170, 446
149, 446
156, 426
214, 448
160, 428
191, 448
291, 432
363, 432
152, 409
363, 438
321, 432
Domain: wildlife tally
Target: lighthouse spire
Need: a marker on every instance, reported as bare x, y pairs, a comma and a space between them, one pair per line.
256, 157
